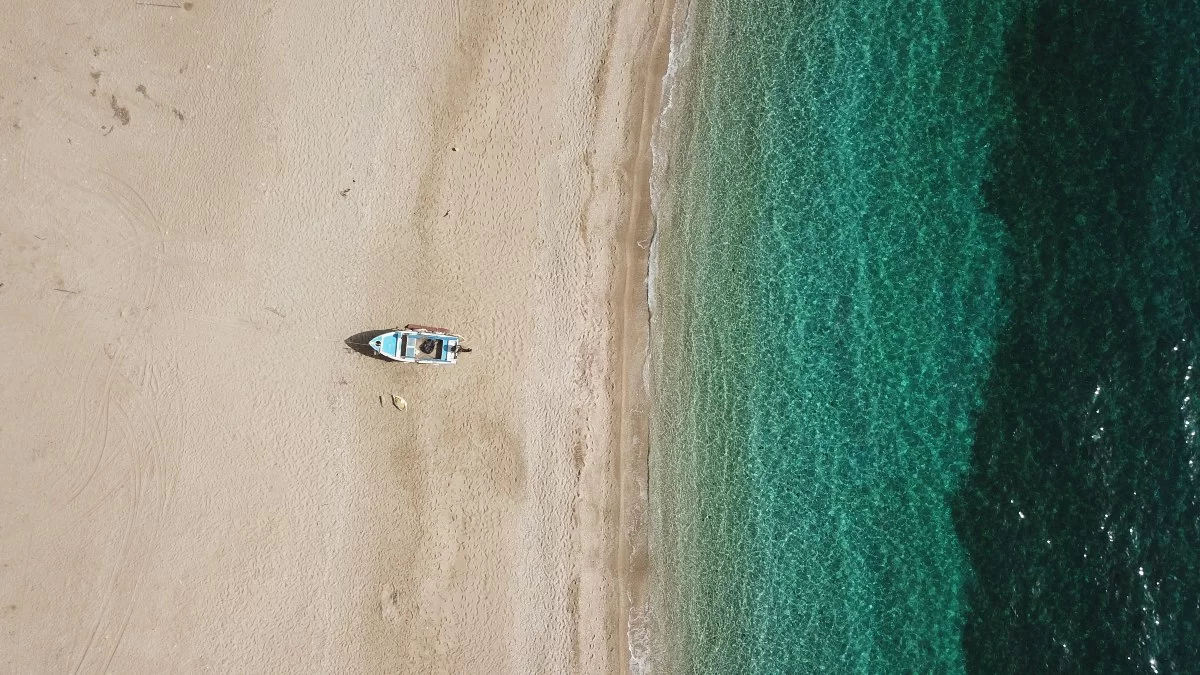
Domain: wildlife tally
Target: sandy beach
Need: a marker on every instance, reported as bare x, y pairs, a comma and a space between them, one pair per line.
202, 202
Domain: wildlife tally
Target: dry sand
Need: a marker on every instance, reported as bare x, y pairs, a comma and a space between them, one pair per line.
199, 205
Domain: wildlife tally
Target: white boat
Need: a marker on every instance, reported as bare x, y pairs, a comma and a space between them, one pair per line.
419, 344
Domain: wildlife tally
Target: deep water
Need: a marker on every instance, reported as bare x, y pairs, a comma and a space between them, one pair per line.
1080, 512
927, 307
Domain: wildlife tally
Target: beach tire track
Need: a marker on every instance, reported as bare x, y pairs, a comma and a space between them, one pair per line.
106, 421
117, 195
148, 487
109, 594
145, 479
82, 418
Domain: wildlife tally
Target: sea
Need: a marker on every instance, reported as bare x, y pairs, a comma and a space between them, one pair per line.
925, 336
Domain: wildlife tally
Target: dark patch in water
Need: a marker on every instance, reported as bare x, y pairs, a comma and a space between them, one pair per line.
1079, 513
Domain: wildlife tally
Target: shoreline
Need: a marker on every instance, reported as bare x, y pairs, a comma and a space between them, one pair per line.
633, 407
664, 149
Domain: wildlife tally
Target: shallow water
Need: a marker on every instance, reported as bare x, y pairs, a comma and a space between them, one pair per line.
901, 247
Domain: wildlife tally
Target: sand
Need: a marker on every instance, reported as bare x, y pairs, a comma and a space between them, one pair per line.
201, 203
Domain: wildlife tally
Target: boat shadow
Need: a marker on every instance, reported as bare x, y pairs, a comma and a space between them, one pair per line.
360, 342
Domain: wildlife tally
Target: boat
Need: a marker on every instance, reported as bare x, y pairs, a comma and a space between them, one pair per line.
419, 344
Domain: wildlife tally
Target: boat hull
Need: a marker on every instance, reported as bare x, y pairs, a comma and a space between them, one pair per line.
417, 345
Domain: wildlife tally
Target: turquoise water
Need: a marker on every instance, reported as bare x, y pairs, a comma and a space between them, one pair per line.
901, 247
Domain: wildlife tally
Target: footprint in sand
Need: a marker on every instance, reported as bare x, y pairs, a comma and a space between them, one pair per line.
389, 603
